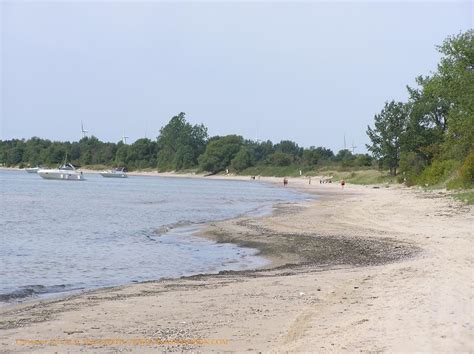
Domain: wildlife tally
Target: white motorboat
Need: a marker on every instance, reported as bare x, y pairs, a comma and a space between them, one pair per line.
32, 169
66, 172
115, 173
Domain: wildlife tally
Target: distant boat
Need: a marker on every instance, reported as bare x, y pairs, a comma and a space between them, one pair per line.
115, 173
66, 172
32, 169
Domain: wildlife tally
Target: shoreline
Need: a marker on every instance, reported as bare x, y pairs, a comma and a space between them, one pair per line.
369, 293
230, 177
172, 228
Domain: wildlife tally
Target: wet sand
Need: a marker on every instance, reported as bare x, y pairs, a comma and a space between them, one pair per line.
372, 269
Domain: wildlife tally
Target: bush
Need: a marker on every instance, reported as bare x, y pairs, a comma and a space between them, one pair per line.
438, 172
363, 160
411, 166
466, 172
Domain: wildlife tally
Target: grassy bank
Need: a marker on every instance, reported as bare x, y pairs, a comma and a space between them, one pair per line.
352, 175
465, 197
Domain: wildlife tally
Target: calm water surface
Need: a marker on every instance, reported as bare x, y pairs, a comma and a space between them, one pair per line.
61, 236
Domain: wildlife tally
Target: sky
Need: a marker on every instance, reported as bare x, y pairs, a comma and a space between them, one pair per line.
309, 71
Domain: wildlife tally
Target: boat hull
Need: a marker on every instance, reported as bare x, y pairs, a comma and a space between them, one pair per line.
113, 175
62, 175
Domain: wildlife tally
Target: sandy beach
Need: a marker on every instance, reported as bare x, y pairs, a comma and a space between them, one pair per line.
365, 268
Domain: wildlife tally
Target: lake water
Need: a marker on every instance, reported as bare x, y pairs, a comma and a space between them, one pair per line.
63, 236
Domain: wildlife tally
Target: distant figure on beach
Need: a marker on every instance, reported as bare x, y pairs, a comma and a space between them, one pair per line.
226, 171
253, 177
343, 183
285, 181
301, 172
309, 180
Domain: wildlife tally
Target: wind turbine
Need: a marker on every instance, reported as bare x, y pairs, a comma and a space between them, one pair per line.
124, 138
257, 140
353, 147
83, 131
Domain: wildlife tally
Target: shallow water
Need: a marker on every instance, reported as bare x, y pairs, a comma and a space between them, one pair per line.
61, 236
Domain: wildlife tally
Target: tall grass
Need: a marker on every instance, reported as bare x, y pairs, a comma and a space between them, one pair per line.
466, 197
361, 175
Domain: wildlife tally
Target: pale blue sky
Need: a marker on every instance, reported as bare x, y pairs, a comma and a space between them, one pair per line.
305, 71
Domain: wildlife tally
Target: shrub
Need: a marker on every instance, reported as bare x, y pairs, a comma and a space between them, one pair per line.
438, 172
466, 172
411, 166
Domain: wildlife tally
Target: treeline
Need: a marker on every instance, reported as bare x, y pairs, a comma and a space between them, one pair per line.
430, 138
427, 140
179, 146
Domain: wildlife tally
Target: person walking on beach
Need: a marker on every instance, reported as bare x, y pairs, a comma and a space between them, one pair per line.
285, 181
343, 183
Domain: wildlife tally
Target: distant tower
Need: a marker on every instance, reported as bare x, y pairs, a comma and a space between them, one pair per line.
353, 147
257, 140
83, 131
345, 142
124, 138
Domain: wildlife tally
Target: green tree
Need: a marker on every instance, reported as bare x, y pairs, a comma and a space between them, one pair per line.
345, 158
389, 126
411, 165
279, 158
142, 154
289, 147
440, 127
427, 122
242, 160
454, 82
363, 160
220, 152
313, 156
12, 152
121, 156
259, 151
344, 155
180, 144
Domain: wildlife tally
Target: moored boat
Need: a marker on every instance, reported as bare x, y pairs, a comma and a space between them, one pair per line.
114, 173
66, 172
32, 169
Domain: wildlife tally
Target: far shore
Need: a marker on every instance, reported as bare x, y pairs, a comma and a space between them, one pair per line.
229, 176
360, 268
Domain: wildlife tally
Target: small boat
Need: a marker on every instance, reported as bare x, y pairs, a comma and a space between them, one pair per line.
32, 169
66, 172
115, 173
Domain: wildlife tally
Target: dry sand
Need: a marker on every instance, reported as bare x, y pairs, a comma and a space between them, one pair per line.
371, 269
